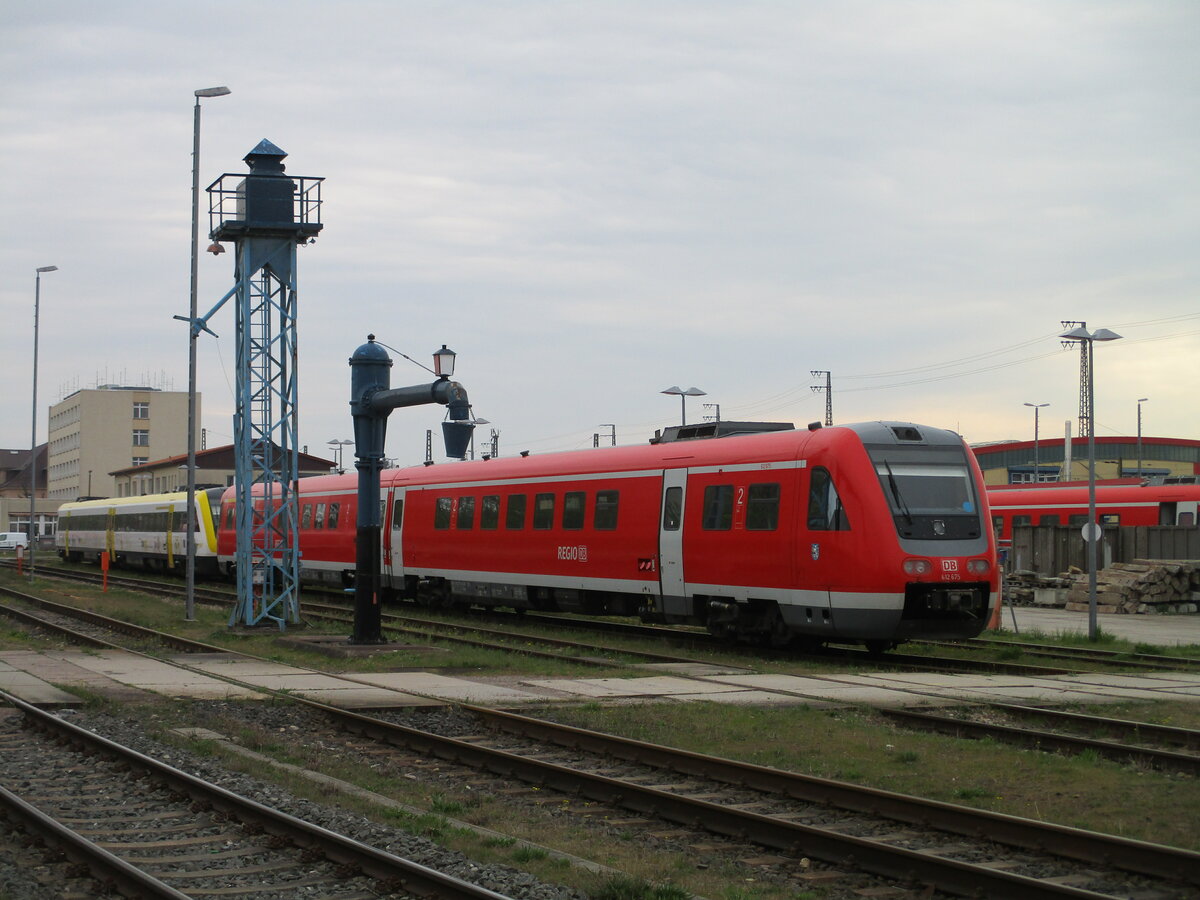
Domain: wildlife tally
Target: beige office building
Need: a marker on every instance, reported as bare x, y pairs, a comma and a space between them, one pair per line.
101, 430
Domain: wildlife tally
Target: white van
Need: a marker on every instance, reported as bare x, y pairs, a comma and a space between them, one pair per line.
11, 540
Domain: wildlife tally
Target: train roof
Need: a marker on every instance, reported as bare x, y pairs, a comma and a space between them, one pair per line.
147, 499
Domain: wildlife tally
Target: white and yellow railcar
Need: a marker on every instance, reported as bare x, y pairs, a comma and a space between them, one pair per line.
149, 531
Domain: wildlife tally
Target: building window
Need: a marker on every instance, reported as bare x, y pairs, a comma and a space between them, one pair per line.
140, 460
141, 410
141, 437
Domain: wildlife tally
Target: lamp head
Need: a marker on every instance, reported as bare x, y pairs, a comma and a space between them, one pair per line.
443, 362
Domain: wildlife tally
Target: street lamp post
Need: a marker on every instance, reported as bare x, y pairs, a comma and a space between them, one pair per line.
37, 302
1141, 400
683, 395
1037, 463
1091, 531
337, 452
190, 596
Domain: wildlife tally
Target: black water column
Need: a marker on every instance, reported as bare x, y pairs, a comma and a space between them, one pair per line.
371, 401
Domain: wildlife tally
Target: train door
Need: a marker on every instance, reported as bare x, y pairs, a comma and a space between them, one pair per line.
393, 543
672, 584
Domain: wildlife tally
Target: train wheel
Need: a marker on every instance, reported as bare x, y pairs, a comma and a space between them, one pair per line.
780, 635
878, 648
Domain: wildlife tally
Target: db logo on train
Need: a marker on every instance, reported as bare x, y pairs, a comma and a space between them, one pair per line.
950, 570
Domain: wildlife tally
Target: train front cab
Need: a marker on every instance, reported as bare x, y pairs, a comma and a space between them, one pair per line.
937, 510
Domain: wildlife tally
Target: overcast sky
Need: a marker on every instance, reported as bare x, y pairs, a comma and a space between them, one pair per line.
591, 202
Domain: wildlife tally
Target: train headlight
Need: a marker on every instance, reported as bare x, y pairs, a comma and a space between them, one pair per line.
979, 566
917, 567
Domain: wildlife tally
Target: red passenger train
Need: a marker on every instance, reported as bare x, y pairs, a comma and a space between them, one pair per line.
1125, 502
873, 533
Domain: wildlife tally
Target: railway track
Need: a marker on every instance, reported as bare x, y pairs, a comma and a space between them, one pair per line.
407, 623
981, 722
902, 838
156, 831
887, 835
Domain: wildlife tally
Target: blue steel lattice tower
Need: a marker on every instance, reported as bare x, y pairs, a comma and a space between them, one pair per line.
266, 215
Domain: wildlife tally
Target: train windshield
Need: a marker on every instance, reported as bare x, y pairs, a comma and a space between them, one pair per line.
930, 501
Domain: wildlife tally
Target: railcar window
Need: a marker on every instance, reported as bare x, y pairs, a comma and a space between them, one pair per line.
825, 512
335, 511
1049, 520
305, 517
574, 510
1022, 520
466, 513
514, 515
1081, 519
397, 515
672, 507
762, 507
718, 507
917, 490
543, 511
1110, 519
489, 512
441, 513
318, 516
605, 516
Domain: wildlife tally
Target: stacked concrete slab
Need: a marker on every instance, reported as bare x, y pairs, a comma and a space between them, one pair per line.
1141, 586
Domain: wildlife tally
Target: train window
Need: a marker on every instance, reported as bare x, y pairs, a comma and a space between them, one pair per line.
672, 507
466, 513
574, 510
1022, 520
1049, 520
335, 510
543, 511
605, 517
1080, 519
825, 512
489, 512
1110, 519
305, 517
397, 515
441, 513
762, 507
718, 507
514, 515
318, 516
